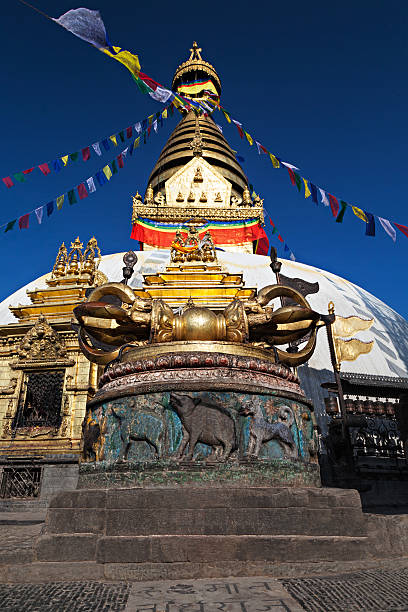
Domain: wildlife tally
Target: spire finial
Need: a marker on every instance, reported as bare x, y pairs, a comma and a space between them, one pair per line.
195, 52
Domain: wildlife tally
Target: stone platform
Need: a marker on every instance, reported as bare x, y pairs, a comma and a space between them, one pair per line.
143, 533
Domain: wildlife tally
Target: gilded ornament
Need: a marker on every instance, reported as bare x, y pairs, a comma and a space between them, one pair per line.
218, 197
180, 197
203, 197
149, 195
198, 177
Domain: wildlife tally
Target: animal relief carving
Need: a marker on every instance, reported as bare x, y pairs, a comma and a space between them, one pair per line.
261, 431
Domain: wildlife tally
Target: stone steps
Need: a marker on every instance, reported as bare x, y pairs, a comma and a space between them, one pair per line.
198, 549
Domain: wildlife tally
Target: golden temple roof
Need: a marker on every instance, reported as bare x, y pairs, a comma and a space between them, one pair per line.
195, 67
214, 149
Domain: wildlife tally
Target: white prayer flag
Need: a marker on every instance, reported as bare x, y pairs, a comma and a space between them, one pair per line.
39, 213
288, 165
325, 201
97, 148
91, 184
388, 228
138, 127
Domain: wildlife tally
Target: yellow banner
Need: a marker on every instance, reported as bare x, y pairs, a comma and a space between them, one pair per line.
113, 139
344, 327
126, 58
274, 161
195, 88
349, 350
249, 138
307, 190
359, 213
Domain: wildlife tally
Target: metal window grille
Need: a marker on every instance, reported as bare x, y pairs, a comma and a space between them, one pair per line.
22, 481
40, 404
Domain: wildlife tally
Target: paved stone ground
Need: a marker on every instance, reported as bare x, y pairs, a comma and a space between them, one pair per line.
374, 590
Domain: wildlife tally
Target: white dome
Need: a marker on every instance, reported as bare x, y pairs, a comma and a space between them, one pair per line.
389, 357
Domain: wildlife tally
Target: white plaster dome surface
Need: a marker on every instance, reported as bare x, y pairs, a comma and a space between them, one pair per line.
389, 356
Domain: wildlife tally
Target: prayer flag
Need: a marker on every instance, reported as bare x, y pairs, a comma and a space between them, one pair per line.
164, 113
19, 176
57, 165
74, 156
64, 159
388, 228
85, 24
113, 139
126, 58
307, 190
106, 145
239, 127
107, 172
10, 225
114, 167
150, 119
155, 125
71, 197
359, 213
23, 221
402, 228
120, 161
129, 132
334, 204
339, 218
261, 149
44, 169
274, 227
8, 182
370, 227
325, 201
249, 138
60, 201
101, 178
226, 115
286, 248
138, 127
298, 181
292, 176
274, 161
91, 184
97, 148
50, 208
86, 153
144, 124
292, 256
287, 165
39, 214
28, 171
122, 136
137, 142
313, 189
82, 192
280, 238
124, 152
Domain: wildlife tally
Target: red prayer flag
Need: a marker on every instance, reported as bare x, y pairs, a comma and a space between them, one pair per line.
402, 228
44, 169
262, 244
146, 79
120, 161
82, 192
280, 238
129, 132
8, 182
334, 205
86, 153
28, 171
24, 221
149, 129
292, 176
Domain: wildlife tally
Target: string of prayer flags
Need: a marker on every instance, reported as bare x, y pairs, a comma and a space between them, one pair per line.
286, 247
85, 153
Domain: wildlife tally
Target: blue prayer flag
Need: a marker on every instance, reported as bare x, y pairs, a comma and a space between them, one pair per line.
370, 226
313, 190
105, 144
101, 178
57, 165
50, 208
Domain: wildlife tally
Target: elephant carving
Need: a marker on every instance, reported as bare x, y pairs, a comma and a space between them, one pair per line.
206, 423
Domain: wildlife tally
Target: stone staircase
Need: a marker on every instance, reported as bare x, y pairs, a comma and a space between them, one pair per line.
204, 527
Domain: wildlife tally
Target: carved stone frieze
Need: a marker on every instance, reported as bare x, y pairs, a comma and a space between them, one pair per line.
10, 388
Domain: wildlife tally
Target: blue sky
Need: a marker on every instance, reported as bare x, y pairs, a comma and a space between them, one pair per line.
322, 85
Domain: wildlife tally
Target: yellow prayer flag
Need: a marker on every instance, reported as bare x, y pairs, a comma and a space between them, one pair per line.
359, 213
164, 113
349, 350
107, 172
307, 190
113, 139
227, 116
249, 138
274, 161
137, 142
126, 58
60, 201
65, 159
150, 119
347, 326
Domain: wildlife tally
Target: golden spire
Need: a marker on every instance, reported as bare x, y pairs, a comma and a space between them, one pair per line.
195, 53
193, 67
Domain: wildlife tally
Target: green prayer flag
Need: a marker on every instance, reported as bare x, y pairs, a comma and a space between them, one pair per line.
122, 136
10, 225
71, 197
298, 180
114, 167
144, 137
274, 230
60, 201
20, 177
73, 156
339, 218
141, 85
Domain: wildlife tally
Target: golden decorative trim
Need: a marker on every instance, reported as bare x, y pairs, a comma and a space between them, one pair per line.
199, 214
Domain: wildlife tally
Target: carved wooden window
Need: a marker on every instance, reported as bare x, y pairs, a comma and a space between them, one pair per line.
40, 402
